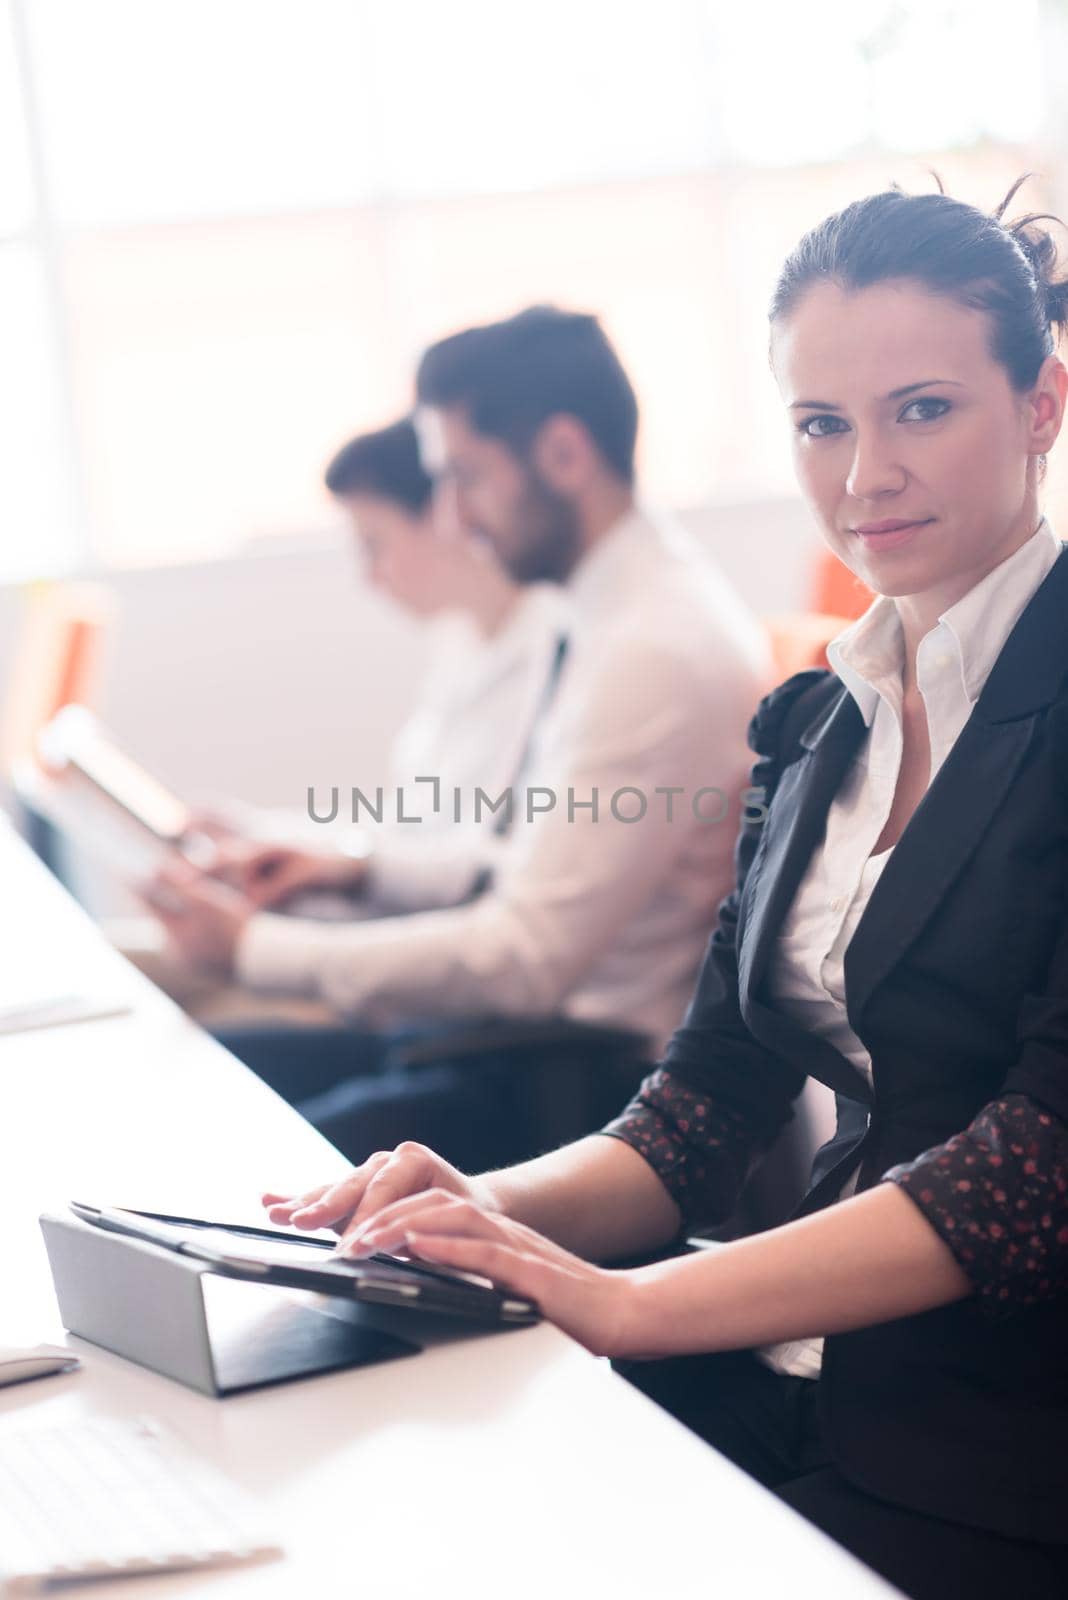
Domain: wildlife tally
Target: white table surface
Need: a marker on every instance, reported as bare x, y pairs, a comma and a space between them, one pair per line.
513, 1464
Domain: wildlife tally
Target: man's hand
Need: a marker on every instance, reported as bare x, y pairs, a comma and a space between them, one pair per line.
215, 825
388, 1176
204, 919
270, 874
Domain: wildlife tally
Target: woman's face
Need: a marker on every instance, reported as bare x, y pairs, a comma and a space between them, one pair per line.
910, 444
425, 561
399, 552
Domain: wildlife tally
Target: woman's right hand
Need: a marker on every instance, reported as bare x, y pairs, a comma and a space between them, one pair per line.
387, 1176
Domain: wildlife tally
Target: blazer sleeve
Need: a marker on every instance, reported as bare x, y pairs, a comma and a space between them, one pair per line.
719, 1098
997, 1192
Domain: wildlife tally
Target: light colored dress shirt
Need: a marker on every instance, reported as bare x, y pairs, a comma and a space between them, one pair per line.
954, 660
603, 920
476, 713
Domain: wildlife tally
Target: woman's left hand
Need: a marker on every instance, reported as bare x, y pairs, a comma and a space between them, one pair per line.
595, 1306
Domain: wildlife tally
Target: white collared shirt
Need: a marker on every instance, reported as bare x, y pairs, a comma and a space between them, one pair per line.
607, 920
470, 729
953, 662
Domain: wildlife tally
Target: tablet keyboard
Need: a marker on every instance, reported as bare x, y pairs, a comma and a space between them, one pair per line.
102, 1498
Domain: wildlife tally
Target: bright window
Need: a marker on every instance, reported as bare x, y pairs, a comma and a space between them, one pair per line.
227, 227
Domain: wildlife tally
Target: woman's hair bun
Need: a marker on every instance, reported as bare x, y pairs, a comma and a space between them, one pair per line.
1040, 248
1057, 304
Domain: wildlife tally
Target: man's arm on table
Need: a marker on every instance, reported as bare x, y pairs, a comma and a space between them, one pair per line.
569, 884
410, 871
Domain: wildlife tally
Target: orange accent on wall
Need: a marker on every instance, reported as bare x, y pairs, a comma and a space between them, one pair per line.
835, 591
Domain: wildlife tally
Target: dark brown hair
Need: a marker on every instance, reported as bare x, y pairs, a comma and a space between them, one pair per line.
385, 464
1008, 270
510, 377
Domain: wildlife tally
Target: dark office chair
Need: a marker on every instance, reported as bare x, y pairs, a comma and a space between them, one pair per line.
44, 838
483, 1094
573, 1076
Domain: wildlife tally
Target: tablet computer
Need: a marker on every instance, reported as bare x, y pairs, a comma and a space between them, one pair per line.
73, 745
296, 1261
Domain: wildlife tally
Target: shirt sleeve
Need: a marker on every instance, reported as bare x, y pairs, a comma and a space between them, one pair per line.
998, 1195
718, 1100
646, 718
701, 1152
424, 874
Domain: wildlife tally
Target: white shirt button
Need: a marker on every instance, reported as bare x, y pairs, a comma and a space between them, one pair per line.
837, 903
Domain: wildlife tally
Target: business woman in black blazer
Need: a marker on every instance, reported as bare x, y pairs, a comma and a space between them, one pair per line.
923, 786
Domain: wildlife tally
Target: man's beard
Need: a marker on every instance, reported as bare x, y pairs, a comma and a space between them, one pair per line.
548, 537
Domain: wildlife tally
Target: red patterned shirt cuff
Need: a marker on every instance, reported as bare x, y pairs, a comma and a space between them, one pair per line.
998, 1195
699, 1151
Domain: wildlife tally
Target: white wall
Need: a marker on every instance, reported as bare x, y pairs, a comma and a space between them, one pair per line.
253, 676
258, 677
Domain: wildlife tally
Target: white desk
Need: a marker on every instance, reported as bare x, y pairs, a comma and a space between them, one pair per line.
509, 1465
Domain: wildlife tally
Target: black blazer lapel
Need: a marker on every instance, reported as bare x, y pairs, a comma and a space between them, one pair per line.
794, 826
933, 850
975, 779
